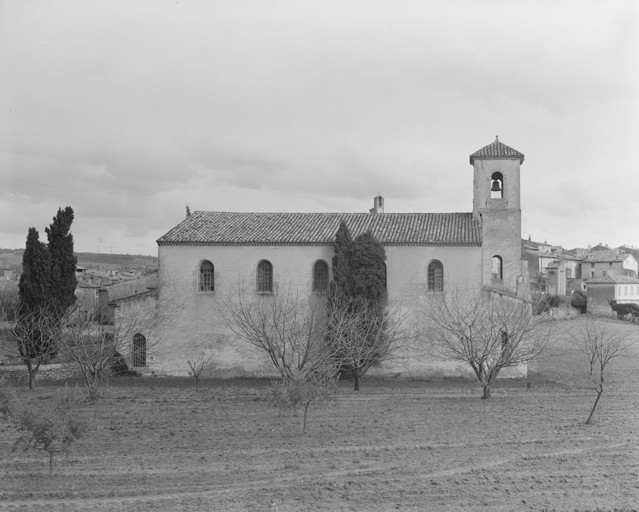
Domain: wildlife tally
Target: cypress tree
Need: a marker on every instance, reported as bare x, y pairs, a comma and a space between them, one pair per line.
46, 290
63, 262
359, 281
368, 271
35, 284
341, 261
31, 336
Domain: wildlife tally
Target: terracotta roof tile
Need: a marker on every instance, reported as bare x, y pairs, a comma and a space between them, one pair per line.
496, 150
612, 278
569, 257
604, 256
231, 228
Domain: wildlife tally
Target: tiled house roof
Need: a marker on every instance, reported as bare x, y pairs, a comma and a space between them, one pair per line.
604, 256
569, 257
496, 150
230, 228
613, 278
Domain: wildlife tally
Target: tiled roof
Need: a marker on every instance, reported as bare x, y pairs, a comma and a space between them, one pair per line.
496, 150
612, 278
230, 228
604, 256
127, 288
569, 257
547, 255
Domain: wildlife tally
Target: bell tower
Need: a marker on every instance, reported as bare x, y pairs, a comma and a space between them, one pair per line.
496, 204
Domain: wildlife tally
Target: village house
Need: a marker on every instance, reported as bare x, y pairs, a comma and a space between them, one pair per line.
609, 262
209, 255
6, 273
551, 269
601, 290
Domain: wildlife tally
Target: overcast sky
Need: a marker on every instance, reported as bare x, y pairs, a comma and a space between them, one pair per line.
128, 111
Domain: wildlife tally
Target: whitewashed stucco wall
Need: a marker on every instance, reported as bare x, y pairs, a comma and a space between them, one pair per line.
199, 326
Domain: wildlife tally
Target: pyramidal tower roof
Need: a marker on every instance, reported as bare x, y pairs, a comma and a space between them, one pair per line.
496, 150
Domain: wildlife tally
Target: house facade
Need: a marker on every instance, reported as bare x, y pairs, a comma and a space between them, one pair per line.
610, 262
600, 290
209, 256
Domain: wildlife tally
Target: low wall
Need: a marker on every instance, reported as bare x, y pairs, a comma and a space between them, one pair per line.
45, 372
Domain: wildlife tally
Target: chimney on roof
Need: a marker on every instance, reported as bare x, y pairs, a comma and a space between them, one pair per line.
378, 205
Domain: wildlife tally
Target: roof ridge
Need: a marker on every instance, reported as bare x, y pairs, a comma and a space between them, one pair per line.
334, 213
496, 150
294, 228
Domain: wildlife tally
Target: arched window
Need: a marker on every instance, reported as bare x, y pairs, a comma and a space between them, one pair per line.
320, 276
497, 186
264, 276
207, 279
435, 276
497, 270
139, 351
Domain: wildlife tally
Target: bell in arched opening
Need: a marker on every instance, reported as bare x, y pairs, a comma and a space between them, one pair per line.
497, 186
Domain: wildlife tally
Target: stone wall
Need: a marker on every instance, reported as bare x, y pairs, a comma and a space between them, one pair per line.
45, 372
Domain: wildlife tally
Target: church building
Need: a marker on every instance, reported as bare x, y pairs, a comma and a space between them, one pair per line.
208, 255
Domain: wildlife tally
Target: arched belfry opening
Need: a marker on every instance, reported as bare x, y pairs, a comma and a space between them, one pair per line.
497, 185
497, 270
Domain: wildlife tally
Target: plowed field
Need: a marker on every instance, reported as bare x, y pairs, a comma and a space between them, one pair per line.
158, 445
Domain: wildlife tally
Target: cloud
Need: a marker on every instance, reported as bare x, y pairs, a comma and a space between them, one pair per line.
128, 114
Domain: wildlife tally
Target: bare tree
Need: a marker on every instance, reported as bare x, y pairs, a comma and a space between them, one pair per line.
95, 344
302, 390
29, 336
301, 334
485, 330
364, 333
197, 364
290, 328
600, 341
50, 425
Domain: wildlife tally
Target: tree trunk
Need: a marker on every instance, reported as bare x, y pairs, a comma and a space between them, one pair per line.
305, 412
356, 378
30, 372
599, 393
486, 394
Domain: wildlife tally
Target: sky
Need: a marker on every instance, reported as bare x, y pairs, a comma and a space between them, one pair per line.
129, 111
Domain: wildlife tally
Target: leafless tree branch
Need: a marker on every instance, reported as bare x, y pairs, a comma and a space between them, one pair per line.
483, 329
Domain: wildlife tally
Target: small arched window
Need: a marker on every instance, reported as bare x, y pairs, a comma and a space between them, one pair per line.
497, 268
207, 279
435, 276
139, 351
497, 186
264, 276
320, 276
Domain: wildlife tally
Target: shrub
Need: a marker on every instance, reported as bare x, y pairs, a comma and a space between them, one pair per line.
51, 426
545, 303
119, 368
302, 390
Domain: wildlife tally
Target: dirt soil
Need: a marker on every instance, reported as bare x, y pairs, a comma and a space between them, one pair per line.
158, 445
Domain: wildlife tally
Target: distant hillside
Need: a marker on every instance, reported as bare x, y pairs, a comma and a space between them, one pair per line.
93, 260
13, 258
